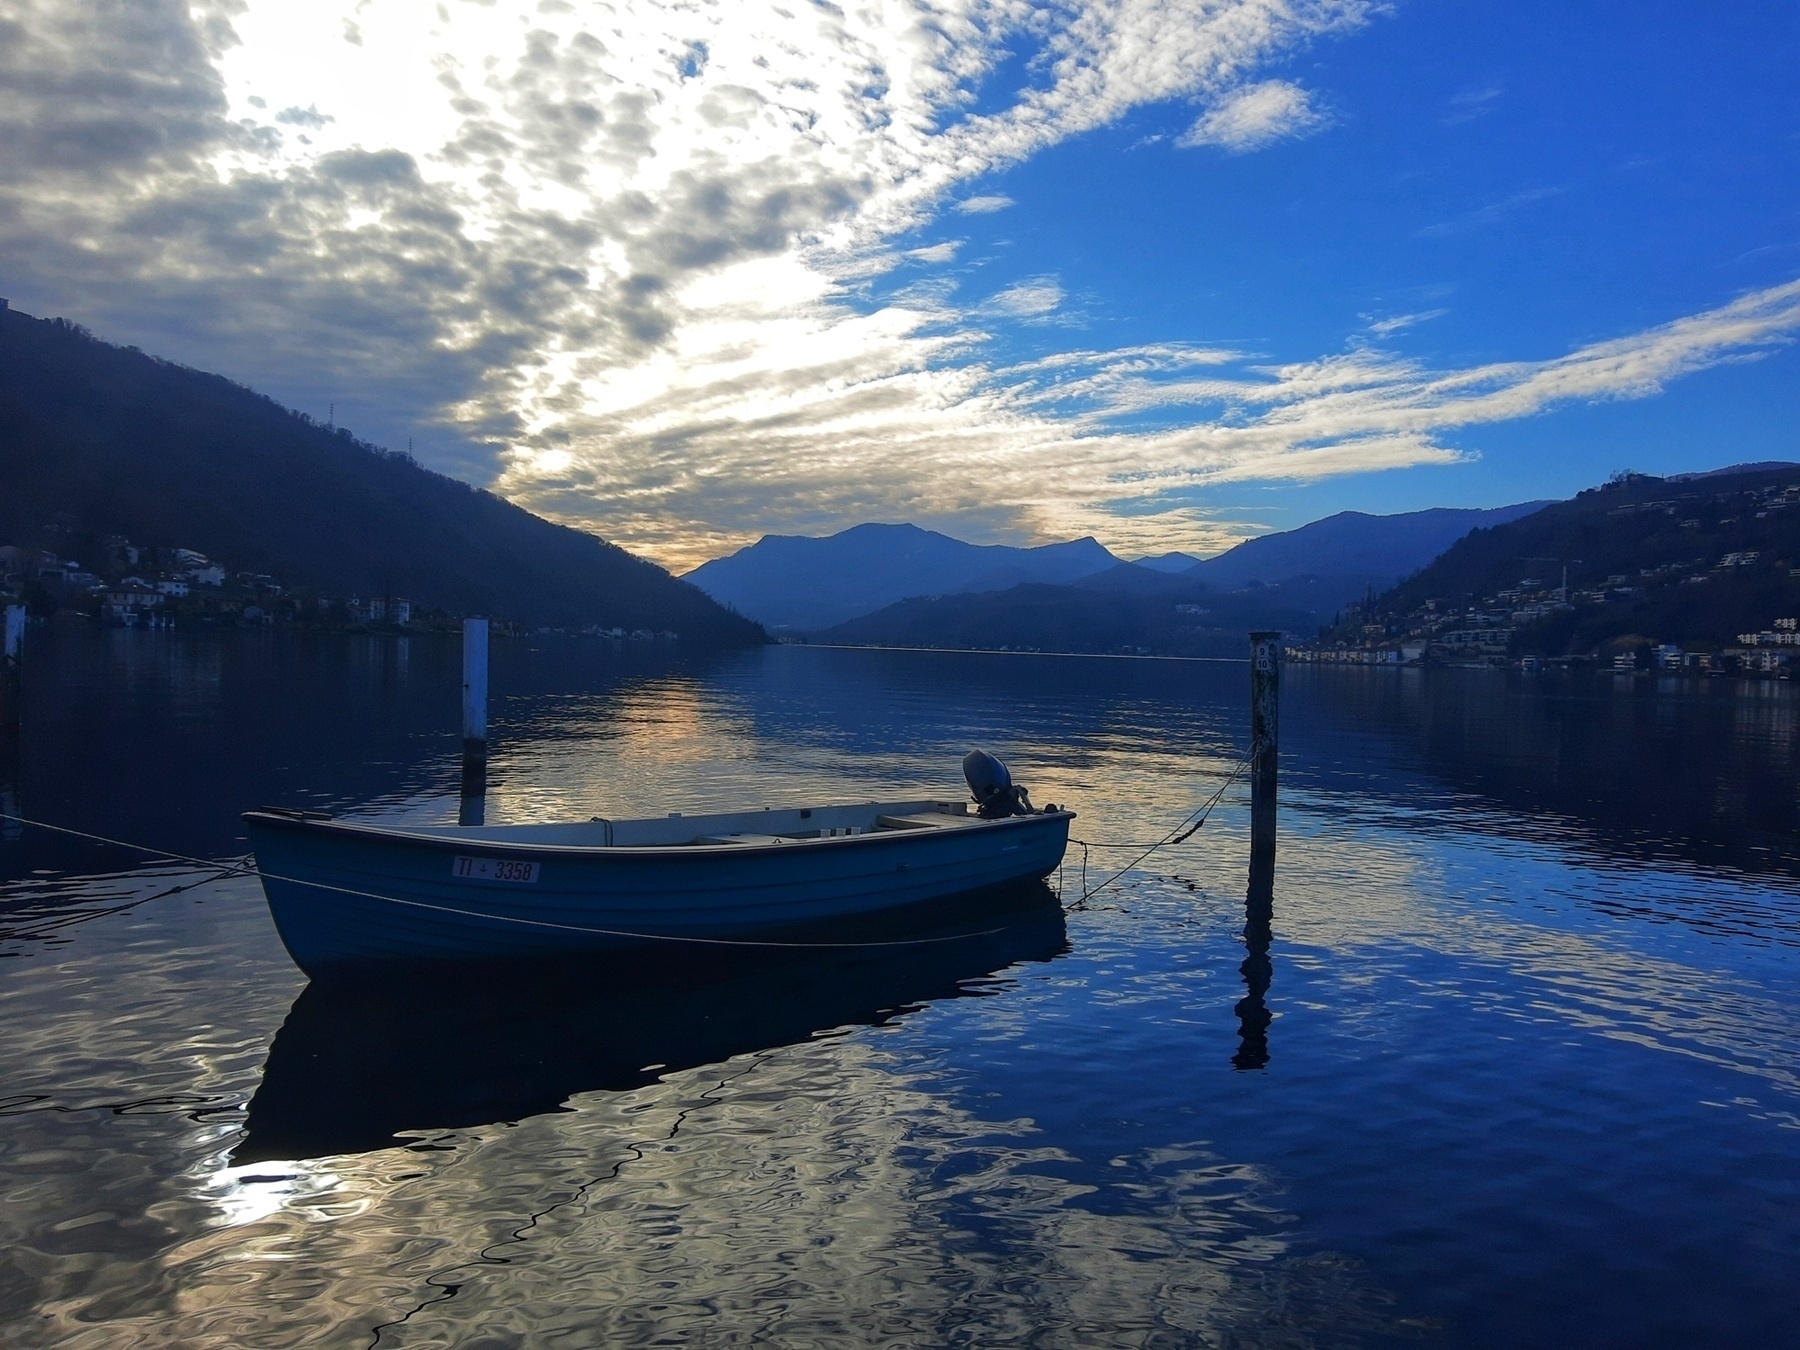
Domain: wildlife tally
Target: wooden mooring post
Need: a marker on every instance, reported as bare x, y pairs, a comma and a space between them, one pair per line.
474, 721
1252, 1010
1265, 725
12, 671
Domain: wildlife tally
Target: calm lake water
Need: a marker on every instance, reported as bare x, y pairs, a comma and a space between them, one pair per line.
1520, 1067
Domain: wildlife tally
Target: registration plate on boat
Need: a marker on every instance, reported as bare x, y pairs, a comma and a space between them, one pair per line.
493, 869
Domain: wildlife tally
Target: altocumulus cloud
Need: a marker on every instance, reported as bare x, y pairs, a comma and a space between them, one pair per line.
1255, 116
1026, 299
622, 251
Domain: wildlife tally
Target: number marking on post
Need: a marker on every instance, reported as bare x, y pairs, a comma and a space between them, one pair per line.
494, 869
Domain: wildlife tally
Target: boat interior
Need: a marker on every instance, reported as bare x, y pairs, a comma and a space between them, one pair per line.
770, 825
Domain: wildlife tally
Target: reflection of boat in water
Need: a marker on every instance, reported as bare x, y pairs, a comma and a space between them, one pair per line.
356, 1064
345, 894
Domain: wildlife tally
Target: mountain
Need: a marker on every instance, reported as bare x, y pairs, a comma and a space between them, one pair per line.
1176, 618
1295, 581
805, 584
1167, 562
98, 440
1352, 550
1690, 560
1732, 470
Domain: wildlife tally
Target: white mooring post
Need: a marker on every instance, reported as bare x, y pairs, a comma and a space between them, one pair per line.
475, 687
474, 721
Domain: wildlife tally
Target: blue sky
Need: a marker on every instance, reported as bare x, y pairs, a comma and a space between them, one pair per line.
1170, 272
1531, 176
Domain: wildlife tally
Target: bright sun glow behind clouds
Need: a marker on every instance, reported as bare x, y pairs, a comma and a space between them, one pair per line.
637, 249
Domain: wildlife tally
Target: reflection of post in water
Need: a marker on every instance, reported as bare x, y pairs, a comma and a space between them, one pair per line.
473, 808
1259, 901
1253, 1009
11, 807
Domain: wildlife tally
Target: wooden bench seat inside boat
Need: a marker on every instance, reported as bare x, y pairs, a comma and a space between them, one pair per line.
765, 826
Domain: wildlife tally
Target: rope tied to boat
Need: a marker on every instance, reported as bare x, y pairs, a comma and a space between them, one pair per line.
1186, 830
245, 867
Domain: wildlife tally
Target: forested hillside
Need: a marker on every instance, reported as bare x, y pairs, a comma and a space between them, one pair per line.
1691, 560
108, 440
1355, 550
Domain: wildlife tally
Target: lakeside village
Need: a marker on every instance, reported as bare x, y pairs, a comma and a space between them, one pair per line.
1487, 633
132, 587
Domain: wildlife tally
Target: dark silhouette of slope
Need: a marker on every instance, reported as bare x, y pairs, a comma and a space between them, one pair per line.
804, 584
1695, 559
1168, 562
1295, 581
1357, 550
1110, 613
810, 585
125, 443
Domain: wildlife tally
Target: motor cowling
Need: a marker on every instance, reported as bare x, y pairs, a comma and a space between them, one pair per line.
991, 784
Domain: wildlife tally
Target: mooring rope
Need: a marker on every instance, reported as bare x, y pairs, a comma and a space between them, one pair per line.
243, 867
1189, 826
227, 870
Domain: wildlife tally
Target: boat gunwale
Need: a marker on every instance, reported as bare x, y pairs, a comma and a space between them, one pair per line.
455, 844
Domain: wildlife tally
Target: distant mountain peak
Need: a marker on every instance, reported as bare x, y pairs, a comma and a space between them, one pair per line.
1379, 550
1167, 562
1295, 581
804, 583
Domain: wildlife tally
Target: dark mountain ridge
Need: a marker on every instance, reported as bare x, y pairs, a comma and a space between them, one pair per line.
124, 443
805, 584
1093, 619
1294, 581
1354, 548
1696, 559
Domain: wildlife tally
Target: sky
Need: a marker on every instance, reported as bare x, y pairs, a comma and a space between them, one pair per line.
1171, 273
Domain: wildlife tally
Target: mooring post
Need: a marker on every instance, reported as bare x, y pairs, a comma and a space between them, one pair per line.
1265, 722
474, 721
12, 670
1259, 899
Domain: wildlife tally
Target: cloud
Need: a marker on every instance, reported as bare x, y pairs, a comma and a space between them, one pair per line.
1468, 104
1399, 322
91, 94
983, 206
622, 261
456, 218
303, 117
1256, 115
935, 253
1490, 213
1025, 299
889, 416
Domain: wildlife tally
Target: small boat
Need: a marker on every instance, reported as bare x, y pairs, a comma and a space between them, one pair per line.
346, 894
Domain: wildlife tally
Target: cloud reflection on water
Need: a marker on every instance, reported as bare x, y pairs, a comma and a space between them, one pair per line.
1516, 1040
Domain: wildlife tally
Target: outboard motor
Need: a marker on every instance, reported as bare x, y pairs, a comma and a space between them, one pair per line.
996, 795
